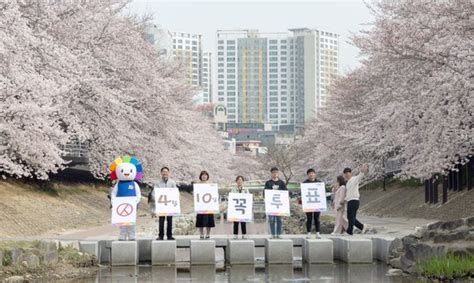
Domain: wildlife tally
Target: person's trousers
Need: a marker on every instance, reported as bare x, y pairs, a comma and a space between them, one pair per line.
127, 233
169, 227
275, 224
309, 221
243, 226
352, 207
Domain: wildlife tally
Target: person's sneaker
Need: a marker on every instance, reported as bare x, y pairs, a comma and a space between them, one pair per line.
201, 237
364, 229
235, 237
278, 237
208, 237
318, 235
159, 239
244, 237
332, 234
308, 235
171, 239
273, 237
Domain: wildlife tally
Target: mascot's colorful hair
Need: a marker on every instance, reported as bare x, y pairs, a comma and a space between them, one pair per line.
126, 159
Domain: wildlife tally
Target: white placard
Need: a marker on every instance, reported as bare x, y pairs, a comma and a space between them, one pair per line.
239, 207
206, 198
277, 202
167, 201
124, 211
313, 197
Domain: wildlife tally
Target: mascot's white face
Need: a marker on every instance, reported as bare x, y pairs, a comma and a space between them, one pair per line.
126, 172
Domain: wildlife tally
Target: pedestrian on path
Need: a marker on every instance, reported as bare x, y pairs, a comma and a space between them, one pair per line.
352, 198
339, 206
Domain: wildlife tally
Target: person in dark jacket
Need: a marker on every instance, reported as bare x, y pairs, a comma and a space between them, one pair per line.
275, 184
310, 216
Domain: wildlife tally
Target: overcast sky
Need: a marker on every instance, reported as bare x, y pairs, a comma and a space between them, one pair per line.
205, 17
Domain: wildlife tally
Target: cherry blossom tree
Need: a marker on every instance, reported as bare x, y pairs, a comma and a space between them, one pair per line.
97, 80
411, 98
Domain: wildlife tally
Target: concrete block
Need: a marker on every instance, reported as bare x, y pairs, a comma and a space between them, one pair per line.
71, 244
32, 261
353, 250
144, 250
240, 252
381, 248
105, 247
90, 247
203, 252
124, 253
278, 251
15, 254
50, 258
163, 252
318, 251
49, 245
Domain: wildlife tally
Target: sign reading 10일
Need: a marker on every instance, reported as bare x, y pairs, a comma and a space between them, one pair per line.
206, 198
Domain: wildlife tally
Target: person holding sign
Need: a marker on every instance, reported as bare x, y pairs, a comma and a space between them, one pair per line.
165, 182
312, 215
125, 195
204, 220
239, 189
339, 206
275, 184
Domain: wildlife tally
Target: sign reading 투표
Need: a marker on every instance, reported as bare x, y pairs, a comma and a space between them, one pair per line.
277, 202
239, 208
124, 211
313, 197
167, 202
206, 198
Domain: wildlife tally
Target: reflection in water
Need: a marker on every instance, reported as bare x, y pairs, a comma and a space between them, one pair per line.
339, 272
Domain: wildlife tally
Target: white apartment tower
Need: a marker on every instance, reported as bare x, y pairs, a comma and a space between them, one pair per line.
206, 77
276, 78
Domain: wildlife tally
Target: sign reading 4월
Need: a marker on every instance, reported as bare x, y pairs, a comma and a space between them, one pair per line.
239, 208
313, 197
167, 201
206, 198
277, 202
124, 211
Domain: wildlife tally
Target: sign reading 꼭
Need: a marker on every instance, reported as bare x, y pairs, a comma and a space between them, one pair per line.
239, 208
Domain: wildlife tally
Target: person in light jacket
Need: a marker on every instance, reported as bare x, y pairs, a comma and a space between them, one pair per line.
339, 206
164, 182
241, 190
